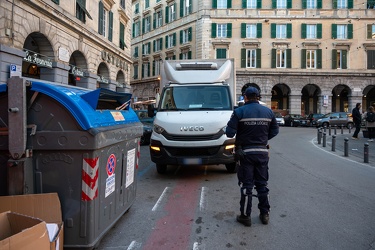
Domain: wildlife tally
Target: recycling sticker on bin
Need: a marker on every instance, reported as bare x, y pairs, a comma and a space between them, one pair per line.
110, 181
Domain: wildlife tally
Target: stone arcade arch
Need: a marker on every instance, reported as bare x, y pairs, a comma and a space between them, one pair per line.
368, 96
280, 97
78, 69
103, 76
39, 57
310, 99
340, 100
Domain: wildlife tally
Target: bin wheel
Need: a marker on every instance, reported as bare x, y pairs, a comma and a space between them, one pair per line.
161, 168
231, 167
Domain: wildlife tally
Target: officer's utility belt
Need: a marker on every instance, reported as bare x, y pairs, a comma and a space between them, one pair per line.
255, 148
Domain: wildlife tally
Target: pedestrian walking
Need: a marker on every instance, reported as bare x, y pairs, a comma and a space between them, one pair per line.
357, 119
253, 125
370, 123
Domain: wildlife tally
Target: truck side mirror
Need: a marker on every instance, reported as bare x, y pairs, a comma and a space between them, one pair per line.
150, 110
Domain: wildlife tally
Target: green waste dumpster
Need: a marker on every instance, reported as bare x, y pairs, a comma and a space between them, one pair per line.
82, 144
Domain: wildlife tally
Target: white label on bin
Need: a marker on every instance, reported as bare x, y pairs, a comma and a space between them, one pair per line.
117, 116
110, 185
130, 167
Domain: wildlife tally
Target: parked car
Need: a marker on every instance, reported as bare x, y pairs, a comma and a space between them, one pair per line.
279, 118
313, 118
336, 118
292, 120
147, 126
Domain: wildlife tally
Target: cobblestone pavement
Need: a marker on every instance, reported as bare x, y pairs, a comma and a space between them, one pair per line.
356, 148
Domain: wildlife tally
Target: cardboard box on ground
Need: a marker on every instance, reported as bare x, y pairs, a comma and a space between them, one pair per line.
31, 222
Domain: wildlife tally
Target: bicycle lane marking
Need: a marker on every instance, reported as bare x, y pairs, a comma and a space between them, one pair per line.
173, 231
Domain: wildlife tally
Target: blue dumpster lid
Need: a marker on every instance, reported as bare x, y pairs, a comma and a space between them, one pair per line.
87, 105
91, 108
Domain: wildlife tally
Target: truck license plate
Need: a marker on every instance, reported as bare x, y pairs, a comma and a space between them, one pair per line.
192, 161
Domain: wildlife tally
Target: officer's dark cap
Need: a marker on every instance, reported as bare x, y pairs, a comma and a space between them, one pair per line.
251, 91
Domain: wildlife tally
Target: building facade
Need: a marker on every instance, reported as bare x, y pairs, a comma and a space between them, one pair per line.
305, 56
76, 42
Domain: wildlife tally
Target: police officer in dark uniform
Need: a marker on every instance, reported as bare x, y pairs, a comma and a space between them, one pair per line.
253, 124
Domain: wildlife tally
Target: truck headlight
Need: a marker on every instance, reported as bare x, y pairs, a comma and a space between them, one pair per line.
158, 129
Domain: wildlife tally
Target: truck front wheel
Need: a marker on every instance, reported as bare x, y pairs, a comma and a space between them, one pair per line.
231, 167
161, 168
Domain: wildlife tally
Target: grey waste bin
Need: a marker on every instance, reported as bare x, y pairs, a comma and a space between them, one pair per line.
84, 145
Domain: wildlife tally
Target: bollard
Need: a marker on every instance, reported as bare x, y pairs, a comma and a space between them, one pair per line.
335, 130
366, 152
350, 129
320, 136
317, 133
324, 140
324, 129
342, 129
334, 143
346, 147
329, 130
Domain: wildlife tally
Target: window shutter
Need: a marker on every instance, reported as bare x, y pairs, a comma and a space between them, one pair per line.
259, 4
143, 71
304, 4
274, 4
174, 39
175, 11
334, 4
243, 58
288, 30
180, 56
319, 58
350, 31
181, 33
319, 4
153, 67
303, 30
154, 45
289, 58
334, 59
154, 21
289, 4
273, 30
166, 41
110, 31
190, 34
214, 4
303, 59
100, 29
182, 8
244, 4
273, 58
189, 55
229, 4
259, 58
122, 34
319, 30
213, 30
136, 52
229, 30
259, 30
369, 31
161, 43
243, 30
133, 31
350, 4
190, 7
148, 69
143, 25
334, 31
344, 59
167, 14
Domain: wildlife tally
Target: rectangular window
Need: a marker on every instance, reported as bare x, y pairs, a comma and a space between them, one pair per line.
342, 4
221, 4
185, 36
342, 31
158, 44
122, 4
172, 13
147, 24
281, 58
136, 29
221, 53
222, 30
146, 69
104, 23
251, 4
81, 10
311, 4
184, 56
311, 31
158, 19
311, 59
186, 7
251, 30
170, 40
251, 58
340, 59
147, 4
281, 4
157, 65
135, 54
135, 69
281, 31
371, 31
146, 49
370, 59
122, 36
136, 8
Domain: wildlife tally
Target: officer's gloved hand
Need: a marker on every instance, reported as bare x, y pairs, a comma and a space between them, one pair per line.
239, 154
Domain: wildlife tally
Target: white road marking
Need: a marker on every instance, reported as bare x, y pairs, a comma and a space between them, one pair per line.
202, 199
160, 199
134, 245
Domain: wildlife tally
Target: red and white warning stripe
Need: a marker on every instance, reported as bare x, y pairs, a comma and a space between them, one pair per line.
90, 175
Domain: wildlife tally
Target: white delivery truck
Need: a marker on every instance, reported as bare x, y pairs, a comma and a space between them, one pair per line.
196, 102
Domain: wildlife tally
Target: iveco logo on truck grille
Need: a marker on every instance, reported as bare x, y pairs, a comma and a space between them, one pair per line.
192, 128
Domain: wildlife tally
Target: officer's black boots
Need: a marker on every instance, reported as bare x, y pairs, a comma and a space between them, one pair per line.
245, 220
264, 218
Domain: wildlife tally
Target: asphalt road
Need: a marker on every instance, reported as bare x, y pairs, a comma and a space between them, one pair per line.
319, 200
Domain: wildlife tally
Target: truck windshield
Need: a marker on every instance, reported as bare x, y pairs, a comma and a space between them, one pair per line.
196, 98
